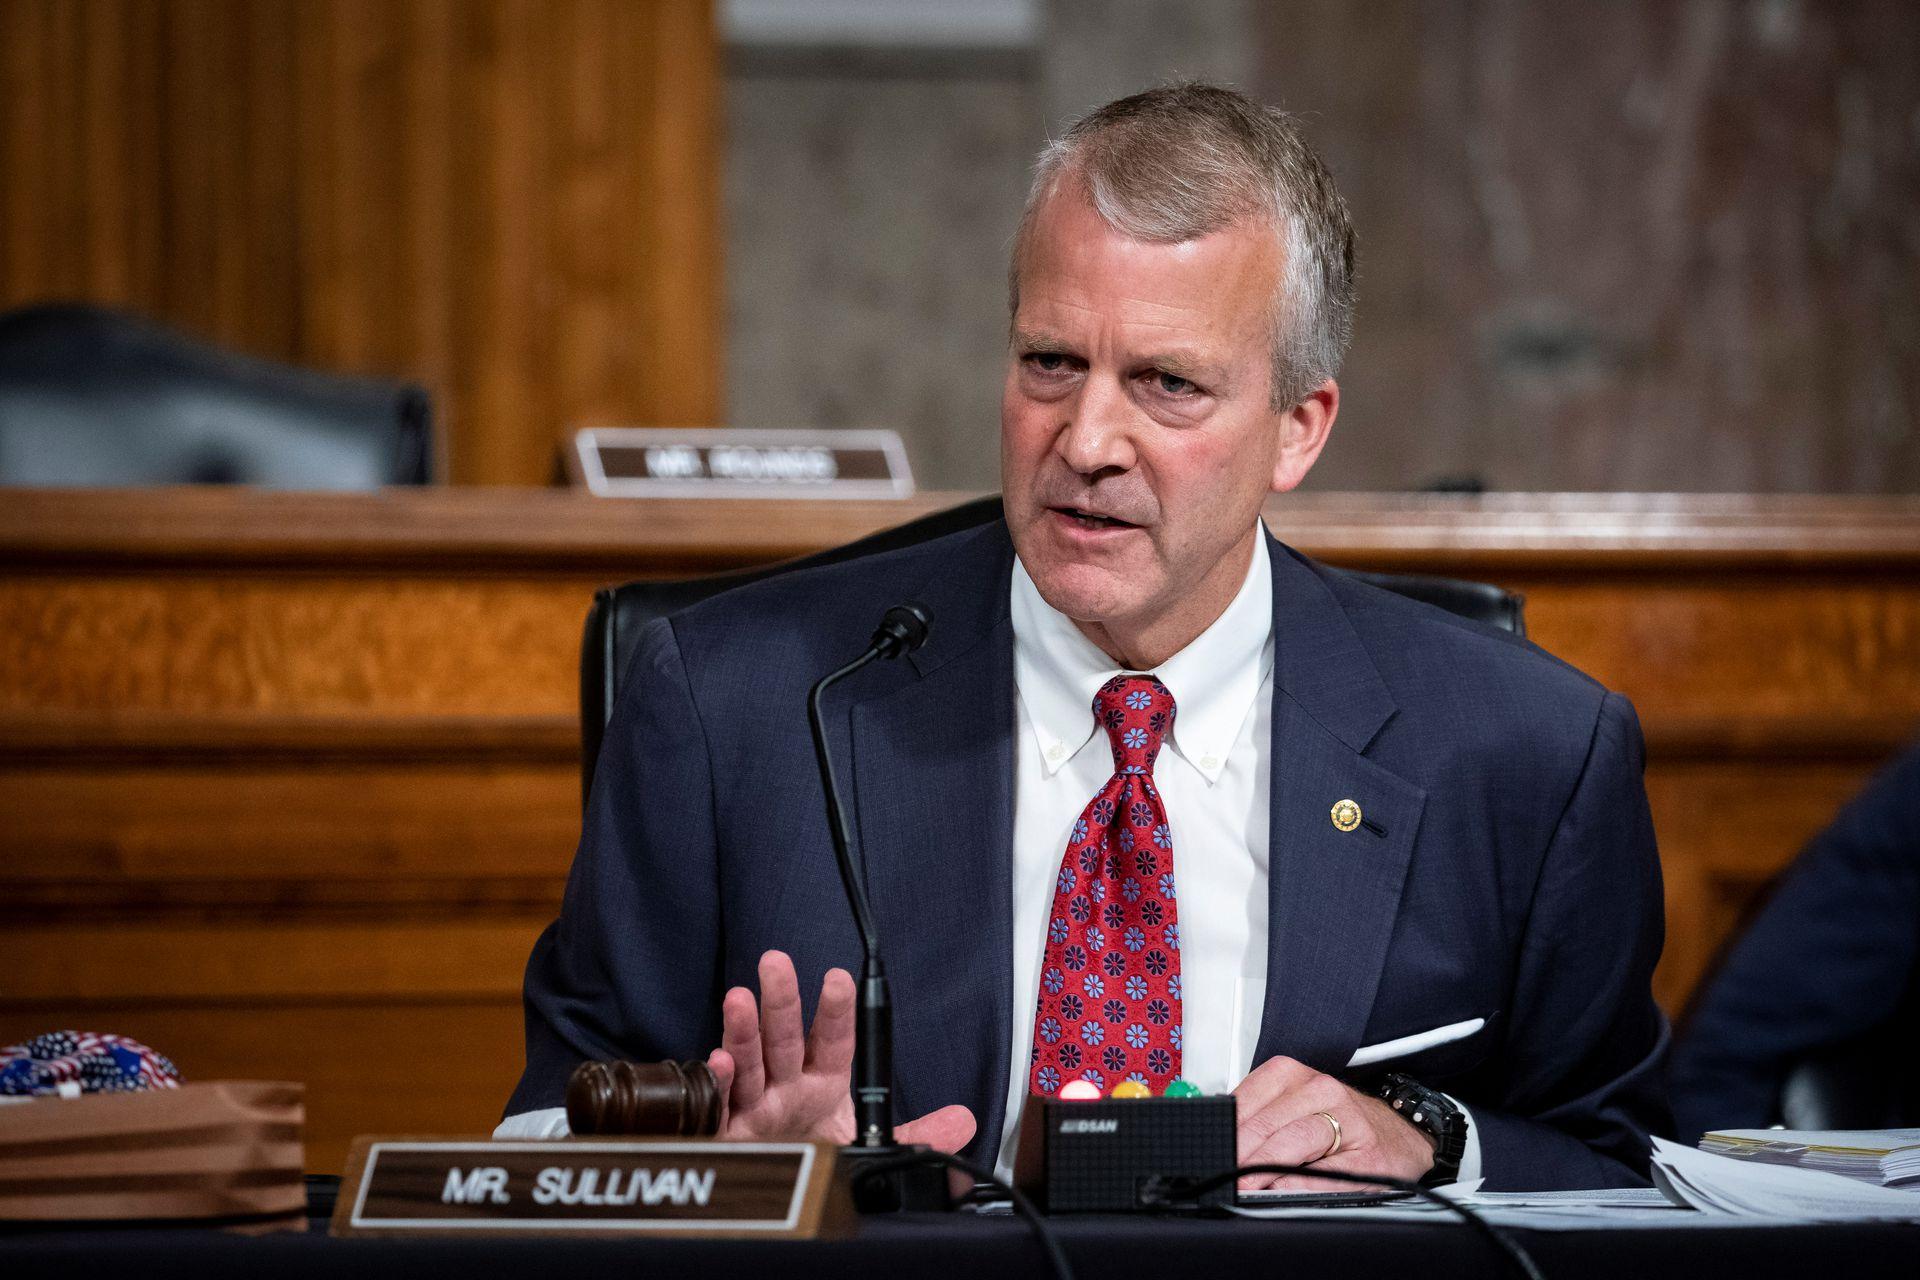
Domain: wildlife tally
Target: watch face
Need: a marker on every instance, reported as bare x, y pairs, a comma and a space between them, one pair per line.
1434, 1114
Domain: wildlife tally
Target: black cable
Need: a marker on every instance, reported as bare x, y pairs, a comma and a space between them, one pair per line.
1158, 1193
1056, 1256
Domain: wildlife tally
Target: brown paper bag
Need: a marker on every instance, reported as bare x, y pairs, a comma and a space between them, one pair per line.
226, 1148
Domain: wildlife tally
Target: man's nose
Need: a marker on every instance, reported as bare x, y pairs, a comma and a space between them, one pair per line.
1096, 438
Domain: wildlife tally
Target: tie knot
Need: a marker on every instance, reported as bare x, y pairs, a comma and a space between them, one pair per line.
1136, 712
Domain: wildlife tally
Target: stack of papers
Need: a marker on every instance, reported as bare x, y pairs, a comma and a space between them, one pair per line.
1625, 1208
1883, 1157
1757, 1189
1533, 1210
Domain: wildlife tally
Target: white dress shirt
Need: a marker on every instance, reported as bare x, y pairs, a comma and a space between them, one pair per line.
1212, 775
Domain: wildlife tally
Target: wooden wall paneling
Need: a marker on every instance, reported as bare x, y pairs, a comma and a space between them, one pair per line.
512, 202
683, 199
122, 153
26, 46
316, 835
489, 533
601, 149
212, 247
276, 645
1727, 827
217, 961
1801, 654
506, 313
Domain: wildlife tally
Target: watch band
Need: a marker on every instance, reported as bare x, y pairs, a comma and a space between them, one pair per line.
1434, 1114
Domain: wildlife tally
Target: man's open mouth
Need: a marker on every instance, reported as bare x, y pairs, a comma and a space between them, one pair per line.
1092, 520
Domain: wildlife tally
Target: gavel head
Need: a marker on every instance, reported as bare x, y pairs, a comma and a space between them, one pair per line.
671, 1099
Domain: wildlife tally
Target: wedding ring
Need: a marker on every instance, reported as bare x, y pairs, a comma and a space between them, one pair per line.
1333, 1146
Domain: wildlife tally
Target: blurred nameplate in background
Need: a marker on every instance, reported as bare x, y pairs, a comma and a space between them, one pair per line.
291, 781
642, 462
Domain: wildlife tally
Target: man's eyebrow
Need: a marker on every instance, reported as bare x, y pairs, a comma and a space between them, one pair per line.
1184, 364
1041, 344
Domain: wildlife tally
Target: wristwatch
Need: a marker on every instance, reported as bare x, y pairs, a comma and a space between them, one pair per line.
1433, 1114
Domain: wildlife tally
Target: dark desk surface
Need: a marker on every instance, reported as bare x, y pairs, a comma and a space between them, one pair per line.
931, 1248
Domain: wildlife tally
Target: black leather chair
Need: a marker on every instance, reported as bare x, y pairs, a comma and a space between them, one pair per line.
1864, 1083
618, 613
95, 397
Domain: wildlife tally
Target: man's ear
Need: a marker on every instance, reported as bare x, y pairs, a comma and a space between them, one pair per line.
1303, 433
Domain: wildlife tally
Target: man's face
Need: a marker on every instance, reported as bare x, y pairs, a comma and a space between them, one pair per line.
1137, 439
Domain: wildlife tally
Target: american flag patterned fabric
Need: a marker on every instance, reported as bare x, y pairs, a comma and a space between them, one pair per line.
89, 1060
1109, 1007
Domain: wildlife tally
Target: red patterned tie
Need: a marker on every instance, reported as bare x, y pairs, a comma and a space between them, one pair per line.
1109, 1006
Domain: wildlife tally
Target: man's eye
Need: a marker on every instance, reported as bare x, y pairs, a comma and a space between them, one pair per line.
1173, 384
1046, 361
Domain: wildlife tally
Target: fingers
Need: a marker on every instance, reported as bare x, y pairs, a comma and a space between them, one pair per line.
948, 1129
720, 1062
1288, 1129
740, 1040
778, 1079
1303, 1183
1260, 1121
1269, 1080
1303, 1141
1297, 1144
1373, 1139
783, 1032
830, 1042
764, 1043
1307, 1140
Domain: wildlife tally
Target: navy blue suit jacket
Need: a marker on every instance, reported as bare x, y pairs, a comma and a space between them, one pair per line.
1512, 877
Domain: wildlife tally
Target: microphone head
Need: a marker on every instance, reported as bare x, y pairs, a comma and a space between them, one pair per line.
905, 628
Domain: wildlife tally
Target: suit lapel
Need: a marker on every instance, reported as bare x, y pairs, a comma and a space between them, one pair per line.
1334, 894
933, 777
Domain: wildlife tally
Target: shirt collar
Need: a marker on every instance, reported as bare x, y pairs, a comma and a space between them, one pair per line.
1214, 680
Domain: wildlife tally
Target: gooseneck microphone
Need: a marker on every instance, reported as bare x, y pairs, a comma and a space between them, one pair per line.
903, 629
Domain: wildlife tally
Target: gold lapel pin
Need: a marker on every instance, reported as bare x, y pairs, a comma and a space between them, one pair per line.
1346, 815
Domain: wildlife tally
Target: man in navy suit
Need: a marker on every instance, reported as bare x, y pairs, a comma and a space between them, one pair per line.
1401, 841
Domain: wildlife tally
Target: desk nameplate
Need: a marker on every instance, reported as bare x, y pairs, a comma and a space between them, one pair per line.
664, 462
683, 1187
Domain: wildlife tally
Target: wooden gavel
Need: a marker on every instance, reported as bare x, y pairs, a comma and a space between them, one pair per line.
678, 1099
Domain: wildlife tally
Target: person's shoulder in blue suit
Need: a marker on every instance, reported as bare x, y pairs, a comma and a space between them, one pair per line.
1832, 957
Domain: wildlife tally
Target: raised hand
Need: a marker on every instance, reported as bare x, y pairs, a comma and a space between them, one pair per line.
780, 1081
1284, 1107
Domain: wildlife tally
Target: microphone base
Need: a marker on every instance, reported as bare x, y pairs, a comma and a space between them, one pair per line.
918, 1188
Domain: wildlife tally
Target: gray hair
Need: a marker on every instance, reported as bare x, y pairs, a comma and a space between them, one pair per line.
1177, 162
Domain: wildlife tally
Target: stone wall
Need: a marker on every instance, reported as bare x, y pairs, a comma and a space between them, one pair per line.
1639, 246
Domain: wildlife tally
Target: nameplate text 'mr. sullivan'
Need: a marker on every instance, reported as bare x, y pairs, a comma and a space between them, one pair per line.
680, 1187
